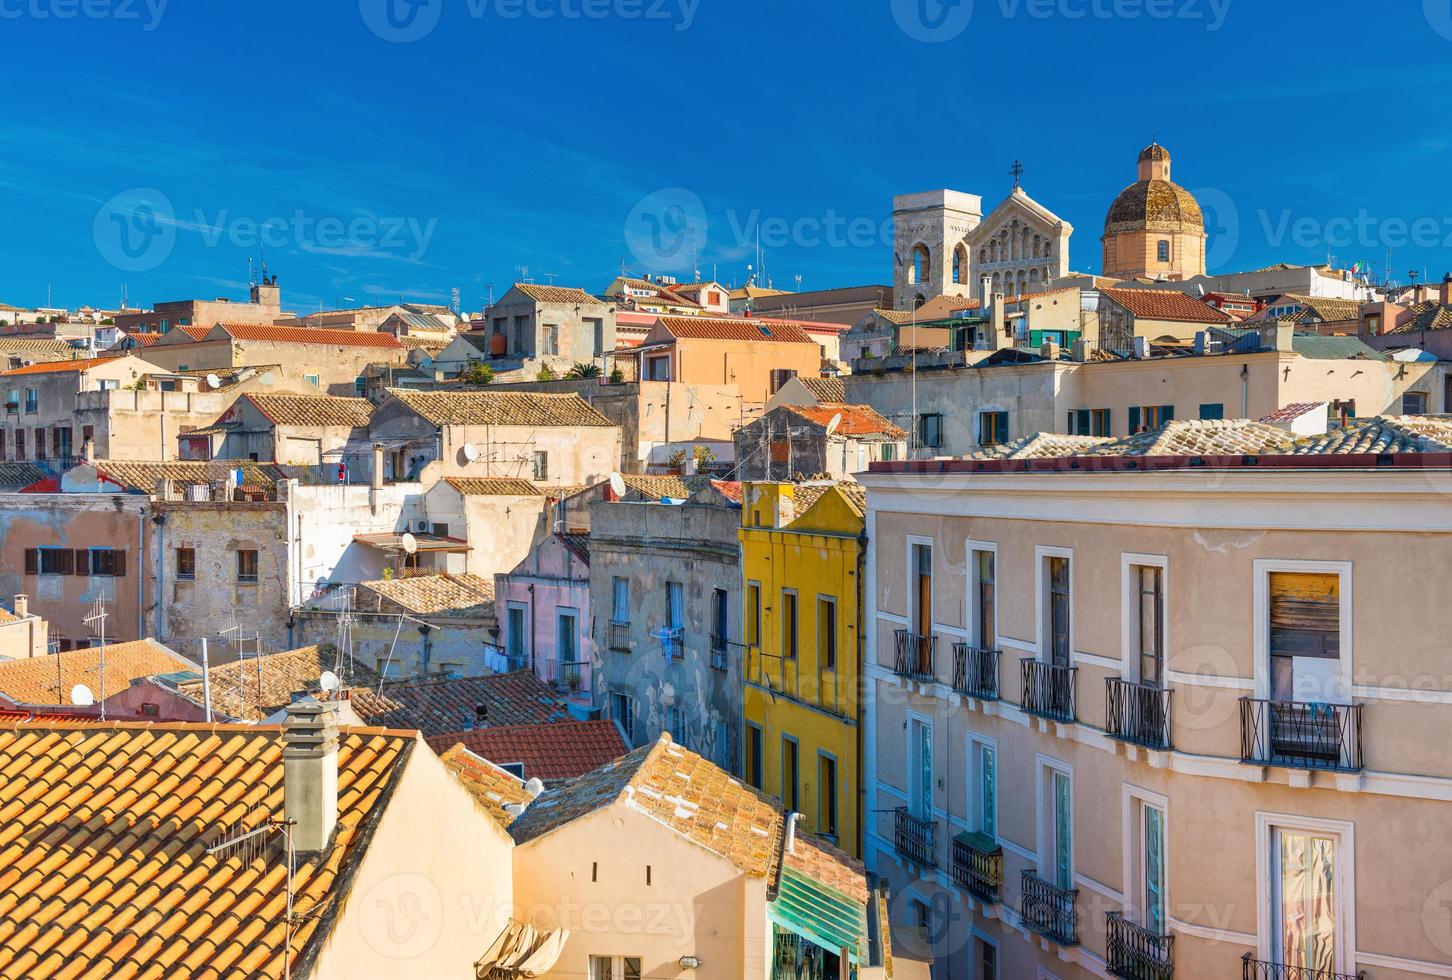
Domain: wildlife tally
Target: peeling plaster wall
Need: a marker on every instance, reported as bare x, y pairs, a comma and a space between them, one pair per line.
457, 648
651, 544
549, 579
324, 521
120, 521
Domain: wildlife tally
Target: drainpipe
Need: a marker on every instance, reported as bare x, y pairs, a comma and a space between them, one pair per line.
142, 577
160, 521
532, 627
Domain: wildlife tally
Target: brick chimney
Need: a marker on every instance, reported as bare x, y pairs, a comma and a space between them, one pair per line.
1445, 292
310, 774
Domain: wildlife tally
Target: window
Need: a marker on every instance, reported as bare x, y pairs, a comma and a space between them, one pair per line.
596, 326
780, 376
1212, 411
919, 271
1059, 610
12, 398
675, 605
992, 428
921, 611
1162, 251
1146, 859
514, 635
922, 921
247, 565
753, 755
19, 443
615, 968
1307, 898
827, 795
2, 445
567, 650
387, 668
720, 627
1057, 828
550, 339
675, 718
360, 386
622, 712
753, 614
930, 431
790, 775
60, 438
1305, 635
986, 956
1414, 403
541, 466
620, 600
889, 452
983, 786
960, 265
439, 530
32, 401
827, 634
1149, 628
40, 444
101, 562
789, 624
920, 773
985, 601
49, 561
312, 379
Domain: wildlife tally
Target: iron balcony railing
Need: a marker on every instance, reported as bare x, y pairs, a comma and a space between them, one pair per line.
1303, 734
1049, 910
619, 636
915, 655
567, 675
913, 837
1135, 953
975, 672
1138, 713
1048, 689
1253, 969
978, 866
720, 651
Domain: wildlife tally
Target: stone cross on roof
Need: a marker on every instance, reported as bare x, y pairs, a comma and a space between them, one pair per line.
1016, 172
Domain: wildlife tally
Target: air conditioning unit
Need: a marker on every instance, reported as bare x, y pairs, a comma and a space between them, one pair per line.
421, 526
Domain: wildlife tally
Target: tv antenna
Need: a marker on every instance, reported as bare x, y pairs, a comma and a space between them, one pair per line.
96, 619
248, 839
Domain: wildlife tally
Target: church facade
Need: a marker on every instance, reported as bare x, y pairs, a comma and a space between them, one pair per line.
945, 246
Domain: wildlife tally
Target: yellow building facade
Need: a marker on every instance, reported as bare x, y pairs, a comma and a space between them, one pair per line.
803, 553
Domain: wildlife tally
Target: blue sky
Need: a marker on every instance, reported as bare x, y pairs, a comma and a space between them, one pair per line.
379, 151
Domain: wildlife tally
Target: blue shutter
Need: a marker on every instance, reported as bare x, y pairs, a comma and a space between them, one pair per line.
1133, 419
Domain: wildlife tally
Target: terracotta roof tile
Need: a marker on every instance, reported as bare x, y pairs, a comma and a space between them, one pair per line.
857, 420
109, 876
500, 408
313, 410
556, 294
436, 707
466, 596
60, 367
493, 486
17, 476
826, 389
551, 752
142, 476
494, 788
308, 335
49, 679
723, 328
1166, 304
238, 693
1293, 411
1429, 315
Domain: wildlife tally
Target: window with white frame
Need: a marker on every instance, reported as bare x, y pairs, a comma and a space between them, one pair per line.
1303, 637
1306, 892
983, 602
1145, 859
1056, 823
615, 968
1055, 591
983, 785
920, 767
1144, 621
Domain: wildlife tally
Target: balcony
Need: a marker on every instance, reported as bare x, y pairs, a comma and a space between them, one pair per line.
1301, 734
1252, 969
720, 652
1137, 713
912, 837
975, 672
1135, 953
914, 656
567, 675
672, 642
618, 635
1049, 910
1048, 690
978, 866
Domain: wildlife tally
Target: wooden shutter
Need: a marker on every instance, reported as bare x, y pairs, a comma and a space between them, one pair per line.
67, 562
32, 561
1305, 615
118, 563
83, 561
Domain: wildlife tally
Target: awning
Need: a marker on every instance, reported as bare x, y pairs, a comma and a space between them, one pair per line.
819, 914
521, 951
387, 541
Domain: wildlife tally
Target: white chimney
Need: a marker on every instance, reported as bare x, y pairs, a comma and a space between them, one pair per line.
1141, 348
22, 606
376, 479
310, 774
791, 833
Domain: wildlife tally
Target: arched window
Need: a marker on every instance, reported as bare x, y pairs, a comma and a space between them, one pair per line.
1164, 250
997, 282
983, 256
960, 264
919, 270
918, 301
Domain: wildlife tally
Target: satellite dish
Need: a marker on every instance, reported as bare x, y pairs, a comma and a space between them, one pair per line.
213, 382
81, 696
328, 681
534, 787
834, 423
617, 484
471, 452
409, 542
1200, 288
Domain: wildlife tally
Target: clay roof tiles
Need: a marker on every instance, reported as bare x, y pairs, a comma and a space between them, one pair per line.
723, 328
551, 752
448, 594
313, 410
500, 408
76, 366
826, 389
104, 849
437, 707
257, 687
49, 679
857, 420
308, 335
490, 785
493, 486
1166, 304
555, 294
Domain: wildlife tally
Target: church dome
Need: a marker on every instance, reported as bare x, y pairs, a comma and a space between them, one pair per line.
1155, 205
1154, 152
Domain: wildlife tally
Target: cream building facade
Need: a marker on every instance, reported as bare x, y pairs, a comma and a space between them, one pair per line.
1141, 709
